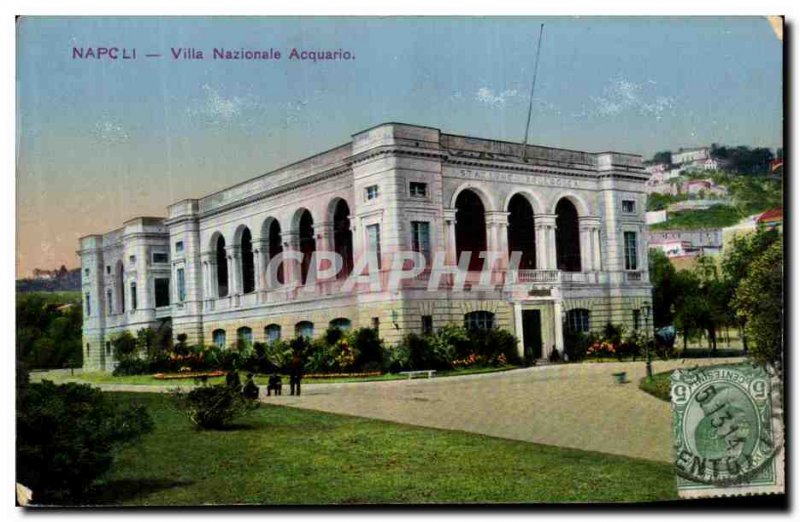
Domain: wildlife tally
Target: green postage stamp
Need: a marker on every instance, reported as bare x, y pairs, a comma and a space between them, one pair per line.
728, 429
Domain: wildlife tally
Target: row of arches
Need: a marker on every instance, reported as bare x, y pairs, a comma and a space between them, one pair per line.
562, 251
306, 244
471, 236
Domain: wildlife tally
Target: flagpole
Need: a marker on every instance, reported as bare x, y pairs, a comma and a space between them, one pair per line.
533, 88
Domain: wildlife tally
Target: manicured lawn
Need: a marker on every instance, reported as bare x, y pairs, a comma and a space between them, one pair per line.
658, 386
106, 377
281, 455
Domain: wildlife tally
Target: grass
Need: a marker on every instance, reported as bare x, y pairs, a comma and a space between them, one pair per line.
60, 376
717, 216
658, 386
281, 455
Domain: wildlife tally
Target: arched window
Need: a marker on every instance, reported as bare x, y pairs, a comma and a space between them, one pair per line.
341, 323
568, 245
222, 268
219, 338
248, 271
479, 320
470, 228
343, 237
272, 333
307, 243
304, 329
244, 336
521, 233
578, 320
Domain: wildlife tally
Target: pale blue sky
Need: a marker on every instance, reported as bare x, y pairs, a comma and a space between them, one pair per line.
102, 141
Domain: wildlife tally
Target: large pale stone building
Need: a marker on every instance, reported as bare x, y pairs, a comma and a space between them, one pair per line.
577, 218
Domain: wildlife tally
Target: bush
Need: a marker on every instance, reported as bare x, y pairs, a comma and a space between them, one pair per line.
576, 344
180, 347
420, 354
145, 342
397, 359
332, 335
125, 346
368, 347
131, 366
67, 436
493, 343
344, 354
215, 407
278, 356
632, 346
454, 346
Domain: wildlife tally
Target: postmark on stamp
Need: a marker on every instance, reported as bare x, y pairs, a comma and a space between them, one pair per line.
728, 430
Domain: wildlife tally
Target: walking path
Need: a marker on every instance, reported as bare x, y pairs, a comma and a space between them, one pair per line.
572, 405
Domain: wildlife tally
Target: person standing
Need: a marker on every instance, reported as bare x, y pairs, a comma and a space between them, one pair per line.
295, 374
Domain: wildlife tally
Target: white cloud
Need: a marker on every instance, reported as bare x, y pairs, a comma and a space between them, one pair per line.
621, 95
216, 109
487, 96
110, 132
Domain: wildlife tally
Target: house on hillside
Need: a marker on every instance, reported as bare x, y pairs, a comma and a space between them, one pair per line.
686, 242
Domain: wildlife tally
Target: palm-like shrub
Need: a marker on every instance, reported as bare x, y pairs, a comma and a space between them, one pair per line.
214, 407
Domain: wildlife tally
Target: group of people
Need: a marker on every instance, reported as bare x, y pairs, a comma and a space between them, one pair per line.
275, 383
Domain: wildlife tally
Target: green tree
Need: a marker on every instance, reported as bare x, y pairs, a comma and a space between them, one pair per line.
759, 298
124, 344
712, 299
657, 201
145, 341
664, 156
736, 266
48, 330
687, 305
665, 292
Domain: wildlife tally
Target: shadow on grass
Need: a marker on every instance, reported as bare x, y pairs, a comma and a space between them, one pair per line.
236, 427
119, 491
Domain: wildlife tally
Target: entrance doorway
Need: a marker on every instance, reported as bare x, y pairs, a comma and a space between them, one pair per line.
532, 335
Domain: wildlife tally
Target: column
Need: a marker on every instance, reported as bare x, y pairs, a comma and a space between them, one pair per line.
546, 241
325, 242
559, 326
291, 269
518, 333
587, 225
451, 257
324, 231
497, 236
209, 275
258, 263
598, 264
234, 270
541, 245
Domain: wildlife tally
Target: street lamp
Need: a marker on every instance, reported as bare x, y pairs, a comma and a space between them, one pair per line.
648, 363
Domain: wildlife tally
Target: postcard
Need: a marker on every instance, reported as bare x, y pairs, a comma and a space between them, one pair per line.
330, 261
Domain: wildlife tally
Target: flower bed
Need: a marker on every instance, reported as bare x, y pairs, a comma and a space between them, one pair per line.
188, 375
356, 375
